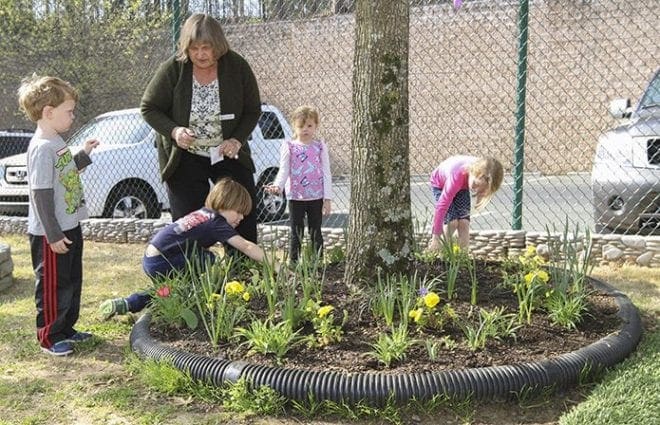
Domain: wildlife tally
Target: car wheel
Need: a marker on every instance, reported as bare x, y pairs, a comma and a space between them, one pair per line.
269, 207
129, 201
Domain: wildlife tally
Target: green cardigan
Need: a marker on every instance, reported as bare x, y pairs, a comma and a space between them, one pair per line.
168, 96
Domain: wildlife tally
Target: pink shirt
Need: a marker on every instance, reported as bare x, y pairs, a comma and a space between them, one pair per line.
450, 176
304, 172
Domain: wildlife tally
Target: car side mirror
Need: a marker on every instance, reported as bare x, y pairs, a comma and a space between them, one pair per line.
620, 108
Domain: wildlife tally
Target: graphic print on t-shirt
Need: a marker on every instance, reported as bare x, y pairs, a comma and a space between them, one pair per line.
191, 220
70, 179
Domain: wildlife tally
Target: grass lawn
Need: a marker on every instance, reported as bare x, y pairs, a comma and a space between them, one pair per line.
100, 384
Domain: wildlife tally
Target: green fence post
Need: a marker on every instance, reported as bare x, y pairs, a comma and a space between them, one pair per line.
176, 22
519, 149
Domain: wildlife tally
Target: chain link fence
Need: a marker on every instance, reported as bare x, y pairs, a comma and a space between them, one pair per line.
465, 87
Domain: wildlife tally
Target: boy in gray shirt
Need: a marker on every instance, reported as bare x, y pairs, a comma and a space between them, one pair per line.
56, 208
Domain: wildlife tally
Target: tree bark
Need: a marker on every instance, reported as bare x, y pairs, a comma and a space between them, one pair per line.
380, 233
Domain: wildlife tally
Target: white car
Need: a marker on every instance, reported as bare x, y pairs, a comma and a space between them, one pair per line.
625, 178
124, 180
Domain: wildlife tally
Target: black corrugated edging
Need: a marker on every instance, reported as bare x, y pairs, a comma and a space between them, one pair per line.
485, 383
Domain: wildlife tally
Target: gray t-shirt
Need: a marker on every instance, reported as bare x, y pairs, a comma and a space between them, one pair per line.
51, 165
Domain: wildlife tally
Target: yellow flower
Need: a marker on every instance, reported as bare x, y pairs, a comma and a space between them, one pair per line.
431, 299
416, 315
323, 311
456, 249
543, 275
530, 251
529, 277
246, 296
234, 288
216, 297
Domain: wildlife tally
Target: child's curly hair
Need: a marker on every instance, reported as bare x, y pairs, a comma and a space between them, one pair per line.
37, 92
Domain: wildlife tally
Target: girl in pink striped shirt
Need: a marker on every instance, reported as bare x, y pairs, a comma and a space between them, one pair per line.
451, 182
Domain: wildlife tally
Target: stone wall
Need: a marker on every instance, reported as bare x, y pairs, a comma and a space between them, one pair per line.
6, 267
491, 244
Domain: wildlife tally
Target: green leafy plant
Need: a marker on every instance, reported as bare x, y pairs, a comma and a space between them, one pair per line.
388, 349
570, 263
455, 257
267, 338
472, 270
566, 309
570, 259
172, 298
426, 312
530, 290
393, 296
240, 396
267, 282
292, 308
222, 305
326, 330
493, 324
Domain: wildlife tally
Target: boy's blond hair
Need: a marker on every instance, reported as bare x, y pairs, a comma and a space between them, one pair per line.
302, 114
491, 169
228, 194
201, 28
37, 92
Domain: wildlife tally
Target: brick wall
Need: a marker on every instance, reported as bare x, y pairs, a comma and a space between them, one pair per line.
581, 55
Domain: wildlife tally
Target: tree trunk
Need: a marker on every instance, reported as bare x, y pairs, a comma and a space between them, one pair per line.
380, 233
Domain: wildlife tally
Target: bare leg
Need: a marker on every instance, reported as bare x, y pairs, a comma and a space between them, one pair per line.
463, 228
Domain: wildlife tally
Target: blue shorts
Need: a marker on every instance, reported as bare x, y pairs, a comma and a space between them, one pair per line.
459, 209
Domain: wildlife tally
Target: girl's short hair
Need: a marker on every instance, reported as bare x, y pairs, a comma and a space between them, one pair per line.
228, 194
37, 92
201, 28
302, 114
490, 169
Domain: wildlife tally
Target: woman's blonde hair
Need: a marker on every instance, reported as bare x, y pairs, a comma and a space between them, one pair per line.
492, 171
201, 28
302, 114
228, 194
36, 92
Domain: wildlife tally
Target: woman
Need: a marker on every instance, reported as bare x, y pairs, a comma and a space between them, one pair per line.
204, 102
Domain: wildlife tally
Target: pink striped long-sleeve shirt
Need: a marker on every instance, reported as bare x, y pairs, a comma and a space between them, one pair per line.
451, 176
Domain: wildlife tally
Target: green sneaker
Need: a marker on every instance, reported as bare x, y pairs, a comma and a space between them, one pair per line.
109, 308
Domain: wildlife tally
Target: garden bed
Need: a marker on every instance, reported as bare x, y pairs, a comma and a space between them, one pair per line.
533, 341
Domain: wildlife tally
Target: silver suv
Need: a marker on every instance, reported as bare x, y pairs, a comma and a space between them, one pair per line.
625, 178
124, 180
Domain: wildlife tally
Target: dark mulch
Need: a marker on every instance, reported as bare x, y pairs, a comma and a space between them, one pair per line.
534, 342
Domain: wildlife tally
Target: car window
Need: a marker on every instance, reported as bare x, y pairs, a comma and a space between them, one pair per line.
113, 130
270, 126
652, 94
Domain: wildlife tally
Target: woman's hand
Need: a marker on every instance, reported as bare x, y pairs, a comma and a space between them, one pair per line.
327, 206
184, 137
272, 189
230, 148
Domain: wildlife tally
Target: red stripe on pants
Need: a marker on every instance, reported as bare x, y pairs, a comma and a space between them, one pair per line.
49, 293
